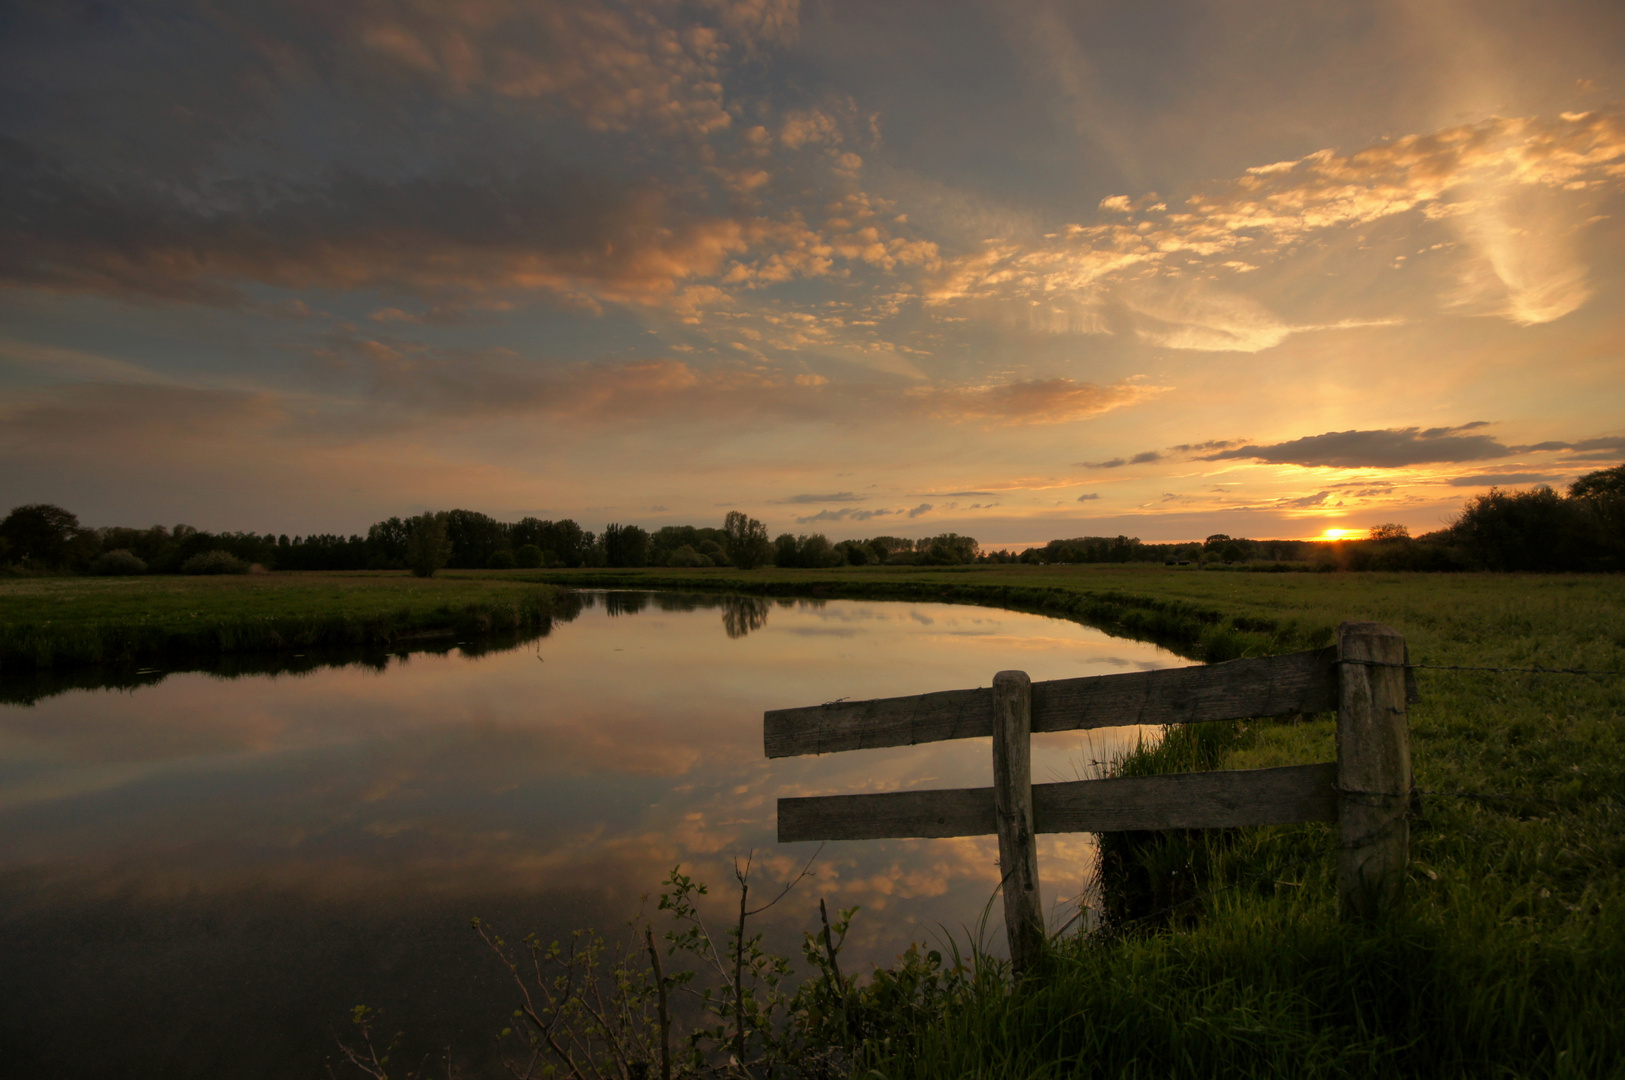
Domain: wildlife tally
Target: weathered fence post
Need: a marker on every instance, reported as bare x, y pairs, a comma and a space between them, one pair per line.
1013, 810
1373, 770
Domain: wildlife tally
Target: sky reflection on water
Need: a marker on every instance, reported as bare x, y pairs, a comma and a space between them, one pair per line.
347, 821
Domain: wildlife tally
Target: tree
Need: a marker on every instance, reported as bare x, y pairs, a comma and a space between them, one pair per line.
1390, 531
1600, 483
474, 537
855, 552
946, 550
386, 544
626, 545
427, 547
747, 544
39, 534
1526, 530
784, 550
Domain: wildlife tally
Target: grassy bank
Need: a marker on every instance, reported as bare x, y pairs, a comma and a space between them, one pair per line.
1509, 958
63, 623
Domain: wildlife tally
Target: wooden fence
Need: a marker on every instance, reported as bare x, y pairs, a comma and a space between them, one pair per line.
1366, 790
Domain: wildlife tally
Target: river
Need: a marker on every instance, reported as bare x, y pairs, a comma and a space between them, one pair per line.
200, 876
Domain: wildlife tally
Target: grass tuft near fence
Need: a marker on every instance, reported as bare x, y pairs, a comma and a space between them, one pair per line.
1222, 953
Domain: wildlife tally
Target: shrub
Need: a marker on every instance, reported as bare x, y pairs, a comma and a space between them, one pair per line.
118, 562
687, 556
214, 562
529, 557
501, 559
712, 552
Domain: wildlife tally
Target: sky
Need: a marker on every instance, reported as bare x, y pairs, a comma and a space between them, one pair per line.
1017, 270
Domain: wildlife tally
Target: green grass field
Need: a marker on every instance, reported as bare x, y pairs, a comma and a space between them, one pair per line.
73, 621
1508, 961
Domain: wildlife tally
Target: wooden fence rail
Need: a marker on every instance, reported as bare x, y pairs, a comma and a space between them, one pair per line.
1366, 791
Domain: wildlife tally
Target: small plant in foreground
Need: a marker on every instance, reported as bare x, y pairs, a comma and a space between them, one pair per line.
597, 1011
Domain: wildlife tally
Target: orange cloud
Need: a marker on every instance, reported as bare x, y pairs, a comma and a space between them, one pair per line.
1506, 185
1036, 401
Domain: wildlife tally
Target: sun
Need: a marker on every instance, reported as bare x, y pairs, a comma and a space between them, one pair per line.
1338, 534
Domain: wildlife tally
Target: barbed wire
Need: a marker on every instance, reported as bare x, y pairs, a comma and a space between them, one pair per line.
1536, 670
1488, 795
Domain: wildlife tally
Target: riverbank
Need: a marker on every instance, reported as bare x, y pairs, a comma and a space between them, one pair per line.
1508, 959
71, 622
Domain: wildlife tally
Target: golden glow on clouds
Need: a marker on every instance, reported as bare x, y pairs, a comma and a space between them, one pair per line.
640, 263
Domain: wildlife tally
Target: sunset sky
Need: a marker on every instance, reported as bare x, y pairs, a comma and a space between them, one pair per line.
1019, 270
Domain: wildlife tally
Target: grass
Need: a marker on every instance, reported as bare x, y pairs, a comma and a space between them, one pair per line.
1507, 961
63, 623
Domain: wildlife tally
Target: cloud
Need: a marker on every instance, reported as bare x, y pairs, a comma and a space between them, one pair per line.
441, 236
611, 68
1089, 496
836, 497
1388, 448
1145, 458
1614, 443
55, 362
1494, 479
1037, 401
845, 513
363, 192
1506, 185
1206, 320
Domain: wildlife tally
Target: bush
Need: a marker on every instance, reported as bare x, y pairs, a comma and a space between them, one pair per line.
118, 562
712, 552
501, 559
214, 562
687, 556
529, 557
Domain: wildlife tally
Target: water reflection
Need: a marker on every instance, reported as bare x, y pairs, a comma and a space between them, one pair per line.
218, 866
741, 615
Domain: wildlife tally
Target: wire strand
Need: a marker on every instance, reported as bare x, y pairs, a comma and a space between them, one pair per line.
1537, 670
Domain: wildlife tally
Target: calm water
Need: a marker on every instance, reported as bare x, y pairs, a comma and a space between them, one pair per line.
199, 877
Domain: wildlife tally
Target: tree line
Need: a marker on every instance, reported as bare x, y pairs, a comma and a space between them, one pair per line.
1540, 529
42, 538
1582, 529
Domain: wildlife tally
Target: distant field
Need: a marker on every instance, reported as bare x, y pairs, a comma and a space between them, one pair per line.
62, 622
